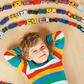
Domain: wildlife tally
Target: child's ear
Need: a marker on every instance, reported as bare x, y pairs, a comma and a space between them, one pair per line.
28, 58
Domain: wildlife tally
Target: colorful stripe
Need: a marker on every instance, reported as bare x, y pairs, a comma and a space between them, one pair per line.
10, 52
25, 67
13, 61
61, 82
57, 54
59, 43
54, 35
21, 65
47, 71
50, 78
55, 60
59, 50
43, 69
8, 58
60, 36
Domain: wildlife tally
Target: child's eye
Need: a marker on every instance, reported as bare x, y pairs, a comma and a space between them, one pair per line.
42, 47
34, 51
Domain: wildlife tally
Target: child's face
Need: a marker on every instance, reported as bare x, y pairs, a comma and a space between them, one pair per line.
39, 53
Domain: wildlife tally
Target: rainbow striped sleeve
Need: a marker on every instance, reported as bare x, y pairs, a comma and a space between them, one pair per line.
58, 39
13, 57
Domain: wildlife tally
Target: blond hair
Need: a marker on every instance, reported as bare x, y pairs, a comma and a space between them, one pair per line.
29, 40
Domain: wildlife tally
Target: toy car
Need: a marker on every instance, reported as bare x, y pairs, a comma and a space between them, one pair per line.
44, 20
24, 12
13, 16
17, 4
20, 23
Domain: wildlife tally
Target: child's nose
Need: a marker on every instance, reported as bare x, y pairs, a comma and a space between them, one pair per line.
40, 52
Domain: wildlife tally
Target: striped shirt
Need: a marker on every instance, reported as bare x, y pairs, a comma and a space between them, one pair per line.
50, 72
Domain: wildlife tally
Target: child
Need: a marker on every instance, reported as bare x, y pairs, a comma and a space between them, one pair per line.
34, 59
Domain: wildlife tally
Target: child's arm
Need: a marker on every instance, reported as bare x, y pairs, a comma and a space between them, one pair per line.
58, 40
13, 57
